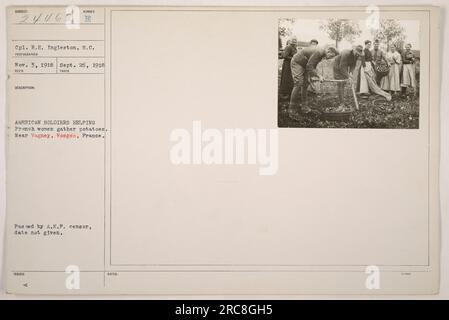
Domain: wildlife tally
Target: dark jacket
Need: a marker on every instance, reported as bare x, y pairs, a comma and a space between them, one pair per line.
407, 57
378, 56
303, 56
345, 63
367, 57
289, 52
314, 59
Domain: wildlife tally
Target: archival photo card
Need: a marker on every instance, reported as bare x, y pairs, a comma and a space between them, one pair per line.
222, 150
349, 73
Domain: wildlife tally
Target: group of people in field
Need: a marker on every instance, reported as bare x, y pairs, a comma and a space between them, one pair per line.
382, 73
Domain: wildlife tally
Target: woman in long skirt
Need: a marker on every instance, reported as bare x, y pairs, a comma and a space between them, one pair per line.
391, 82
368, 74
286, 85
408, 70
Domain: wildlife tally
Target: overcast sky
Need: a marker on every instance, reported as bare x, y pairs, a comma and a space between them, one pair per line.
305, 30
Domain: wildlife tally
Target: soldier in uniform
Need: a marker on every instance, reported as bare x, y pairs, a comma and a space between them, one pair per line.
378, 57
303, 66
344, 64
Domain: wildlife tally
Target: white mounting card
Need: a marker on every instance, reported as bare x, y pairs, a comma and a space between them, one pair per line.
223, 150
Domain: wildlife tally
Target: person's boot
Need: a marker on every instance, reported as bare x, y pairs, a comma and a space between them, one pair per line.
341, 101
303, 107
303, 96
404, 92
290, 108
294, 111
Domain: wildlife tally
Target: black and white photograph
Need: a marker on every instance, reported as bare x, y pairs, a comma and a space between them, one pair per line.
340, 73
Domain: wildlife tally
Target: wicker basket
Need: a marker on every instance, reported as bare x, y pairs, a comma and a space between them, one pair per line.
382, 69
